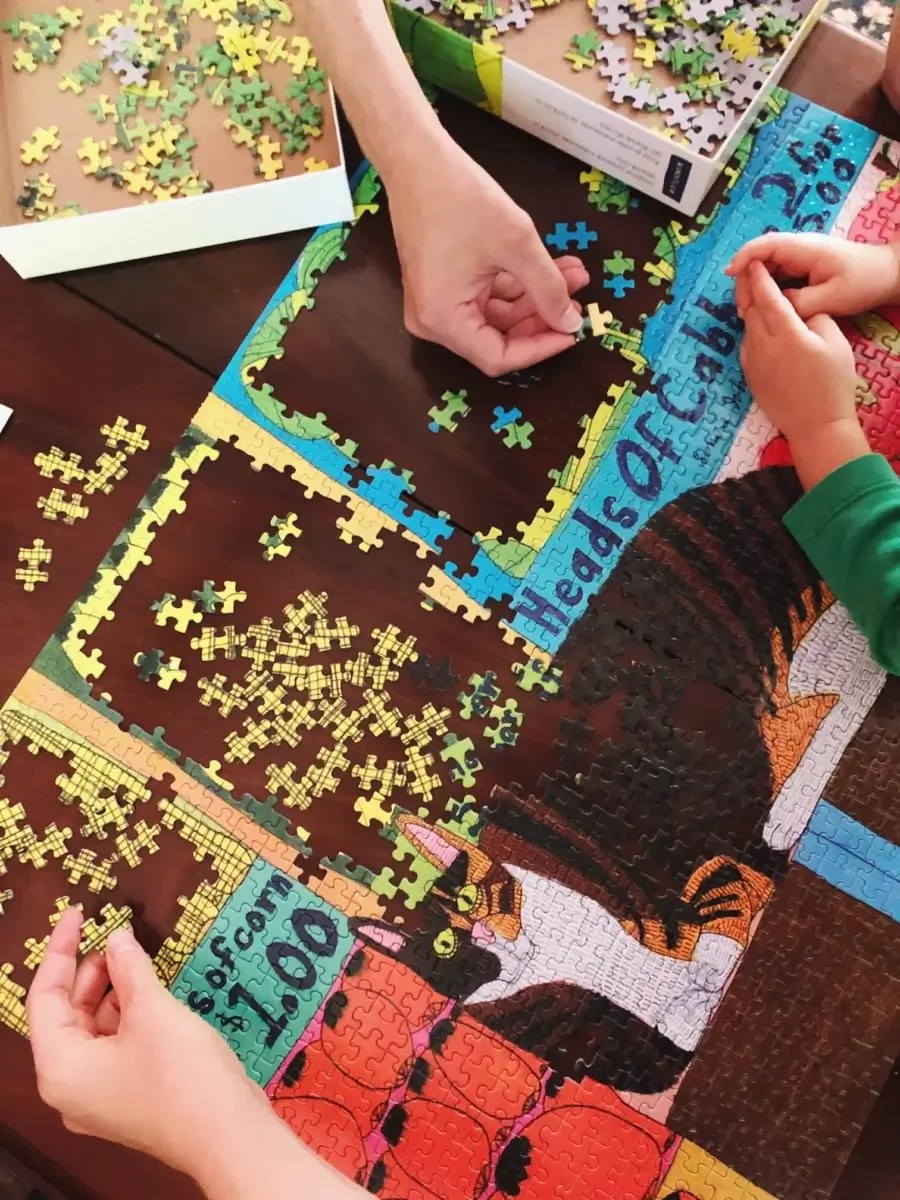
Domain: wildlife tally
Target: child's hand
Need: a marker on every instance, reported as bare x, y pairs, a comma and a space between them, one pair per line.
844, 277
133, 1065
802, 374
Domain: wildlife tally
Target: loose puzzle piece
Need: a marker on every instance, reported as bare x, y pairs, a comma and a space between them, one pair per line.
616, 279
222, 599
565, 237
94, 155
277, 545
36, 558
153, 664
108, 470
58, 504
181, 615
448, 417
514, 431
36, 149
122, 435
66, 467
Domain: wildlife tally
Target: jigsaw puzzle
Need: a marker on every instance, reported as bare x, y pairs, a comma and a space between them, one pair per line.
698, 63
517, 863
140, 94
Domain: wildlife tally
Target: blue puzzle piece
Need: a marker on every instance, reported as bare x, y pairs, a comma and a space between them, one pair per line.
390, 490
618, 285
504, 417
564, 237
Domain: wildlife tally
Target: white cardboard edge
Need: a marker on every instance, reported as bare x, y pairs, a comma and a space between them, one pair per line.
5, 413
584, 129
188, 223
581, 127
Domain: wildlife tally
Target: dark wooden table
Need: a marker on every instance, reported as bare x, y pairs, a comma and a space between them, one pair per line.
155, 335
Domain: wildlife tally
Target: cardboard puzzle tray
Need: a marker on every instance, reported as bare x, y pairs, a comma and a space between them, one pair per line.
112, 115
658, 94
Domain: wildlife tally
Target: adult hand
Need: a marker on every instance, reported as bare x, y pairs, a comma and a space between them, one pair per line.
132, 1065
843, 277
802, 374
476, 275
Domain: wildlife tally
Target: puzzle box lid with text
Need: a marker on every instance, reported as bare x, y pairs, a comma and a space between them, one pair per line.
658, 95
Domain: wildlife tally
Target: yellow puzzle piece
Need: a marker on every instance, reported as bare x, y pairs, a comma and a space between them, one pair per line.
36, 148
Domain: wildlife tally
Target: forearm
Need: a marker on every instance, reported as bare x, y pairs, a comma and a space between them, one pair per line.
894, 295
821, 449
355, 43
259, 1157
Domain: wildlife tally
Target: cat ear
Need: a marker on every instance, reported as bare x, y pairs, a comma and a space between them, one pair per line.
385, 937
439, 846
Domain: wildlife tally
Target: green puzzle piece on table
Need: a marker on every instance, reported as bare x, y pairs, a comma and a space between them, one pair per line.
454, 405
618, 264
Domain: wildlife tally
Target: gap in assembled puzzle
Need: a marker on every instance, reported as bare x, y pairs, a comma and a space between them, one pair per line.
105, 108
477, 796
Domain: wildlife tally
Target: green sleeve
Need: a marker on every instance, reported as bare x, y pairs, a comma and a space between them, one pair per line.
849, 526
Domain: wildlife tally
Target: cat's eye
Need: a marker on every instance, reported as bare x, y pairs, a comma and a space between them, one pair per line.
467, 898
445, 943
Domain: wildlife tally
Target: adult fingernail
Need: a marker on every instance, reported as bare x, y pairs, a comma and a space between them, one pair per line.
120, 939
572, 321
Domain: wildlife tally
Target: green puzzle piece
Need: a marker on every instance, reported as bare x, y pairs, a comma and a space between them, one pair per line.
454, 406
618, 264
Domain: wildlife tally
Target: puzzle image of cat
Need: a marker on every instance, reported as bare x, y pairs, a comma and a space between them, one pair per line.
500, 780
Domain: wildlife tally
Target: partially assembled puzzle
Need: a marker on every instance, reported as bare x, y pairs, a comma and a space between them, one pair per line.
559, 858
106, 109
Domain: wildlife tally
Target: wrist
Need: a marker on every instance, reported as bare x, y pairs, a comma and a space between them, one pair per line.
820, 450
893, 296
228, 1144
419, 156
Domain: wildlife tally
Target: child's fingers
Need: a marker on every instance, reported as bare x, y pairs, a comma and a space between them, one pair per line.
780, 251
809, 301
754, 340
828, 330
766, 298
742, 294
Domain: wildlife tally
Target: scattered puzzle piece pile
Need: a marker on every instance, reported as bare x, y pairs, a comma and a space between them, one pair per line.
143, 72
65, 503
718, 53
107, 470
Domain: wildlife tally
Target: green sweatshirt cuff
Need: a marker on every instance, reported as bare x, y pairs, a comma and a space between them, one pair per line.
836, 492
849, 527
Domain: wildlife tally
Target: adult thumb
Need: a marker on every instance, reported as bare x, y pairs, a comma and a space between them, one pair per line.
130, 968
546, 288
